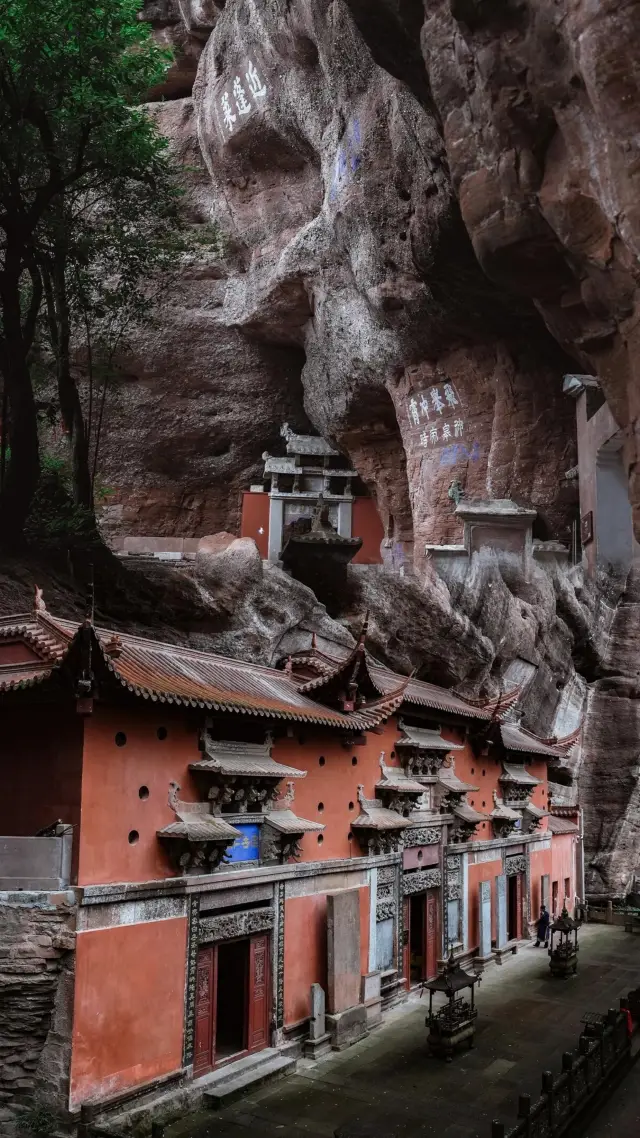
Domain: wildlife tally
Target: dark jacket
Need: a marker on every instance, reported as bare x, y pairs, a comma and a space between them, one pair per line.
544, 920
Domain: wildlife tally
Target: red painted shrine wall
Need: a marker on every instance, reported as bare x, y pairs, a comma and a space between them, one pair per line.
115, 777
305, 949
255, 517
484, 771
42, 767
539, 866
329, 793
367, 525
129, 1007
563, 865
485, 871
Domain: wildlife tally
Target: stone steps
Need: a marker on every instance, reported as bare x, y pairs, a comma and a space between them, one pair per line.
230, 1083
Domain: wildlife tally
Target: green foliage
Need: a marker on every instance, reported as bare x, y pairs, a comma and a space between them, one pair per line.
38, 1119
55, 520
90, 222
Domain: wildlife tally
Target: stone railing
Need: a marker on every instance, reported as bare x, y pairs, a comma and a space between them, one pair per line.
36, 863
604, 1052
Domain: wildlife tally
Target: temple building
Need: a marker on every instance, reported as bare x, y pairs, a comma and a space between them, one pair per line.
288, 496
194, 819
606, 523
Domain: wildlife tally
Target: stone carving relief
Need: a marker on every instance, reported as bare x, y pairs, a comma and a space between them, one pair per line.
385, 910
421, 836
231, 925
422, 879
517, 864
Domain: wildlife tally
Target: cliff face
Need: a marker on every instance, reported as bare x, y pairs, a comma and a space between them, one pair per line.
418, 203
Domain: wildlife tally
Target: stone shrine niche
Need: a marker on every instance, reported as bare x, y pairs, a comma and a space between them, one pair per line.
379, 830
422, 751
397, 791
197, 842
239, 777
283, 830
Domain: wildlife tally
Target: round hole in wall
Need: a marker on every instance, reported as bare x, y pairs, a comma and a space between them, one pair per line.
403, 236
351, 805
320, 807
320, 839
322, 760
349, 836
354, 761
162, 732
483, 773
121, 739
393, 754
473, 770
484, 825
133, 837
484, 804
420, 855
143, 792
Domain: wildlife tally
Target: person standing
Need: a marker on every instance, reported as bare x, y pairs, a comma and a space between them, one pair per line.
544, 920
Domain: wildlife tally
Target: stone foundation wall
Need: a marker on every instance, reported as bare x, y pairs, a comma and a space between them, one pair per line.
37, 942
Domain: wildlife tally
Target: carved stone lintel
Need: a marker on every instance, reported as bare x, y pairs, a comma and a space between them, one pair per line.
516, 864
453, 861
231, 925
421, 836
421, 879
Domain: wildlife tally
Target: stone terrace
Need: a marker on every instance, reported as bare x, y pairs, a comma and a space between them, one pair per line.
526, 1020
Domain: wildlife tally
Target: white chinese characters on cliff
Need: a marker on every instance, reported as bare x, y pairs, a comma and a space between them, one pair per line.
436, 421
243, 92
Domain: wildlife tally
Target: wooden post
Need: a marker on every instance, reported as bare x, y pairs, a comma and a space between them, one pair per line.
497, 1129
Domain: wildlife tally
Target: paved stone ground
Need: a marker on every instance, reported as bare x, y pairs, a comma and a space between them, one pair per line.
619, 1118
526, 1020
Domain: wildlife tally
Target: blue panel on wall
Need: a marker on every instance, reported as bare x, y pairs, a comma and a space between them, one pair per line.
247, 846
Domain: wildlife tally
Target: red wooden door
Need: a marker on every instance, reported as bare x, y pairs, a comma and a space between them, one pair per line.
258, 1034
406, 942
519, 905
431, 953
205, 1010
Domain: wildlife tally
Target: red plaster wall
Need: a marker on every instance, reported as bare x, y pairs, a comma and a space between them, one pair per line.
485, 871
334, 785
112, 777
305, 949
484, 771
255, 517
129, 1007
367, 525
563, 865
42, 767
540, 865
305, 953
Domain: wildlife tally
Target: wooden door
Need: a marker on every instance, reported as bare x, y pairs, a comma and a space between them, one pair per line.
519, 904
258, 1033
406, 942
205, 1010
431, 948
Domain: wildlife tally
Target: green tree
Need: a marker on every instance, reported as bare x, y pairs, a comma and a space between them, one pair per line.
73, 143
